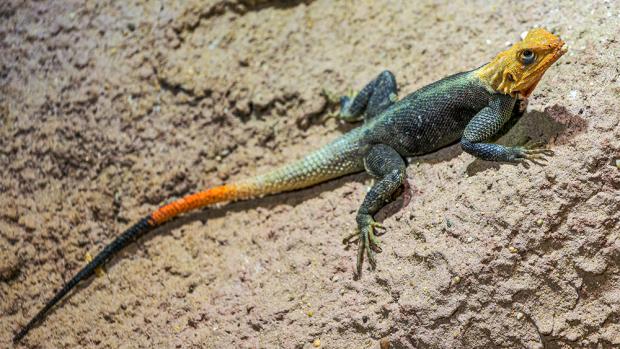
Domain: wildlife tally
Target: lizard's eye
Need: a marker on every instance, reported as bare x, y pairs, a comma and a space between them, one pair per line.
528, 57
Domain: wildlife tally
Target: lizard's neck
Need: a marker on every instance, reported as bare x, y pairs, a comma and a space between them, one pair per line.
496, 78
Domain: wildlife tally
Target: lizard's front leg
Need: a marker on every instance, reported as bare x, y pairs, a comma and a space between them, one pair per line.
487, 123
388, 167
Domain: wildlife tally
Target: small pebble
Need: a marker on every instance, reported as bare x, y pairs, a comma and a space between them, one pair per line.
513, 249
316, 343
29, 221
99, 270
310, 313
384, 343
573, 94
539, 222
456, 280
519, 315
618, 163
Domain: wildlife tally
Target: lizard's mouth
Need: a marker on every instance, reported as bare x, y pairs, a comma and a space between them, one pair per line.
558, 52
561, 51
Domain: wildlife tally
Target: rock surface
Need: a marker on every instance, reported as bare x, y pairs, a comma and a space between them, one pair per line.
109, 108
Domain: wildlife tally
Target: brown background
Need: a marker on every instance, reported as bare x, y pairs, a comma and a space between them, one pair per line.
109, 108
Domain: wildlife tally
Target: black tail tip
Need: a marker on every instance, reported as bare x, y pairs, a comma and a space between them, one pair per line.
22, 333
18, 337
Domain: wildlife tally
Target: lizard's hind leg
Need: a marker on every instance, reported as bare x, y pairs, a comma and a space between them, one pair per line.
388, 167
373, 99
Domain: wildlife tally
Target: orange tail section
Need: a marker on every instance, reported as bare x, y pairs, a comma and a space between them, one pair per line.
223, 193
336, 159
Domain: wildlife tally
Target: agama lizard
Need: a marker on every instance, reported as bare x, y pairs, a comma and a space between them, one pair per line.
469, 107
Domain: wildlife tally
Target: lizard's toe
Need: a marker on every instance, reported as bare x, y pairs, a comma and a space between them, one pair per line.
344, 102
330, 96
536, 153
368, 245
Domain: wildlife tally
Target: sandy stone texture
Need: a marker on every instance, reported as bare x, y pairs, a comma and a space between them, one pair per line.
111, 108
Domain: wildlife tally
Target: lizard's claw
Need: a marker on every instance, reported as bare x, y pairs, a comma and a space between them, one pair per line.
343, 104
330, 96
535, 153
351, 93
330, 115
368, 244
351, 237
332, 99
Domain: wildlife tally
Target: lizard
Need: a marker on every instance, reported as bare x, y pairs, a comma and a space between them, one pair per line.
469, 107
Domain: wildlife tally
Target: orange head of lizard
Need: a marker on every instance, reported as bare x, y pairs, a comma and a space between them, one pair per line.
518, 70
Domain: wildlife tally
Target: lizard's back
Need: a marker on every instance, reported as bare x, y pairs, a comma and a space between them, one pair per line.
431, 117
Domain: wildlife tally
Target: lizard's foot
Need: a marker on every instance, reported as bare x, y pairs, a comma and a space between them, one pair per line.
535, 153
393, 97
330, 96
368, 243
345, 104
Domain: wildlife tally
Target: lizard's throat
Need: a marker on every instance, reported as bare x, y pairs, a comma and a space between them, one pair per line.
497, 77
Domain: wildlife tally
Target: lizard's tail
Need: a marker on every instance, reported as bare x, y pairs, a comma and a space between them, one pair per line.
334, 160
137, 230
188, 203
222, 193
145, 225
